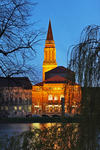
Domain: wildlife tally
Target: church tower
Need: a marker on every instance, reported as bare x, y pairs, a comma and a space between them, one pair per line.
49, 62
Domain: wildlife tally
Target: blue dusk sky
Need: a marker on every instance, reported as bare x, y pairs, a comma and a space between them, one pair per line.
68, 18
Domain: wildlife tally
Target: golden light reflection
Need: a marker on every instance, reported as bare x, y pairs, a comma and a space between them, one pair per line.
35, 125
43, 125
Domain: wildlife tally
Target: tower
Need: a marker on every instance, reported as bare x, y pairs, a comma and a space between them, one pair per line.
49, 62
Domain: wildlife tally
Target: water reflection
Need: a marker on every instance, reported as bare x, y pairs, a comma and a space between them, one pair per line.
43, 125
71, 136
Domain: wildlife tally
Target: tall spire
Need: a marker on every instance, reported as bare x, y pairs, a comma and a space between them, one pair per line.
49, 62
49, 34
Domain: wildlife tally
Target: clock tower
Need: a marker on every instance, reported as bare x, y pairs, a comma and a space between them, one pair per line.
49, 62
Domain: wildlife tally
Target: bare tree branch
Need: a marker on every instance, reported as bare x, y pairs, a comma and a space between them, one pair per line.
18, 37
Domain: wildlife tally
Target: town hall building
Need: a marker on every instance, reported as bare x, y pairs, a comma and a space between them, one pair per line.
58, 82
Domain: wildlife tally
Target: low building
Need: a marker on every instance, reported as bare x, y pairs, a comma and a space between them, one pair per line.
15, 96
47, 95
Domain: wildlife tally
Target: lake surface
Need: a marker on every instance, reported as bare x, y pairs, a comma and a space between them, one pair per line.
89, 132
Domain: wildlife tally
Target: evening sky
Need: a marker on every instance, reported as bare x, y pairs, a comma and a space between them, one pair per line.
68, 18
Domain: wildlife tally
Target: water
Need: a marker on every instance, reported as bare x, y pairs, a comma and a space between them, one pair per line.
89, 133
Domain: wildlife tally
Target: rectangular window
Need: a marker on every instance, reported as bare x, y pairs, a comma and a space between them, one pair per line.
55, 97
6, 107
20, 108
15, 107
29, 108
50, 97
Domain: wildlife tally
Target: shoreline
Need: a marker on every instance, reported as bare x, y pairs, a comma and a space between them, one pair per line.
40, 120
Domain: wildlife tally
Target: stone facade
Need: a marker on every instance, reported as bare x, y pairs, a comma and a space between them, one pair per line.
46, 98
15, 96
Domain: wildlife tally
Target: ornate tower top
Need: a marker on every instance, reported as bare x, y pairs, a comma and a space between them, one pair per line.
49, 62
49, 34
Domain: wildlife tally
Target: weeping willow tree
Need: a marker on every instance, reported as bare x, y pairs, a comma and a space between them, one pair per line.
85, 61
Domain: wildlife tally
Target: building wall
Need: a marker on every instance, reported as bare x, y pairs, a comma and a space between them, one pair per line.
15, 100
47, 98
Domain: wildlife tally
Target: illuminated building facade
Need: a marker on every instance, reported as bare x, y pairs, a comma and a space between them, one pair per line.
15, 96
58, 82
49, 62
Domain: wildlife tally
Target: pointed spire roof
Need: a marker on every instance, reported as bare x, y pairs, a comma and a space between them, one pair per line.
49, 34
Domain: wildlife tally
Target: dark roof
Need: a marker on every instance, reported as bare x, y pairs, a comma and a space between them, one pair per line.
49, 34
57, 79
60, 69
23, 82
39, 84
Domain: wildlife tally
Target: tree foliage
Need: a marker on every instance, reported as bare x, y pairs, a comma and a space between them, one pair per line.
18, 37
57, 137
85, 57
71, 136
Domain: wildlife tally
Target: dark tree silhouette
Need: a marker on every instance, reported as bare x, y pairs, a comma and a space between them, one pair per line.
85, 61
85, 57
18, 37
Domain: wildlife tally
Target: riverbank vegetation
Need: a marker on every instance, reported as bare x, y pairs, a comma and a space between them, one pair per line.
60, 119
70, 136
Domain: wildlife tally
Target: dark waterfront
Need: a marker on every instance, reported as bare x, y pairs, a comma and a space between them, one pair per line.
85, 136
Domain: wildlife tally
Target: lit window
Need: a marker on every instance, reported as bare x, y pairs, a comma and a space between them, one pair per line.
56, 108
20, 107
56, 98
15, 108
50, 97
61, 96
29, 108
50, 109
6, 107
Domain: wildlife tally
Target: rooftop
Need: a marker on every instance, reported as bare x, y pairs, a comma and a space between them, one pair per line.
15, 82
60, 69
55, 79
49, 34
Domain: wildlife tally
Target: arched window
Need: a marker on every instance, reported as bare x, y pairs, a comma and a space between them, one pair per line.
50, 97
61, 96
55, 97
50, 109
